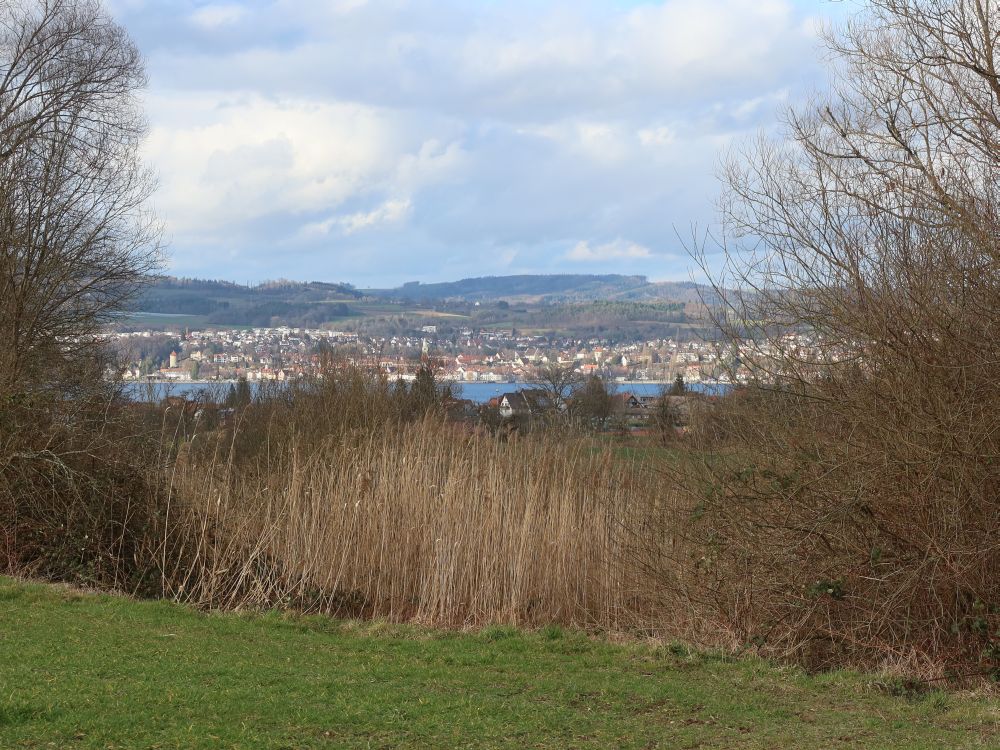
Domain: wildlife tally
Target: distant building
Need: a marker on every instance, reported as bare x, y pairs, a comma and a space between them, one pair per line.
524, 403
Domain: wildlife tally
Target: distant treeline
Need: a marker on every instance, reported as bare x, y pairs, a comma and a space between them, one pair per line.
276, 286
191, 303
611, 312
623, 319
551, 288
308, 315
225, 303
489, 287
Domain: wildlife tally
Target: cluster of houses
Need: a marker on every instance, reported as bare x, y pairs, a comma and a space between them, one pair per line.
517, 409
490, 356
624, 406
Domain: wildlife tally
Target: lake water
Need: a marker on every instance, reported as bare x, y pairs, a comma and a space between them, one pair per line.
479, 393
483, 392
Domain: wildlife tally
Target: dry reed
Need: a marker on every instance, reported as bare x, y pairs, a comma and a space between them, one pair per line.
422, 522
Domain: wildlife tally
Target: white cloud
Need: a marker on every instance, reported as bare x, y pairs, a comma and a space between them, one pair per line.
518, 61
750, 107
225, 164
697, 40
515, 128
659, 135
615, 250
214, 16
391, 212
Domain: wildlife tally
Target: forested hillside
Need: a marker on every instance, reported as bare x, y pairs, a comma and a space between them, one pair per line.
575, 304
272, 303
548, 288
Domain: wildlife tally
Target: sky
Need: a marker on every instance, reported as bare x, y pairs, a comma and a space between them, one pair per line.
384, 141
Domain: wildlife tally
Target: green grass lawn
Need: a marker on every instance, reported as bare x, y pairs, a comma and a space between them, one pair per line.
86, 671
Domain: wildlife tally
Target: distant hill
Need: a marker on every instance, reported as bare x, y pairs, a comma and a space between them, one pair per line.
546, 288
566, 301
224, 303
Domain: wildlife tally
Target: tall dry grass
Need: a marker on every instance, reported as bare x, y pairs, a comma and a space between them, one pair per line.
422, 522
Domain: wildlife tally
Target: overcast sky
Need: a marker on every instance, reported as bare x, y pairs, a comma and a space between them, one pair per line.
381, 141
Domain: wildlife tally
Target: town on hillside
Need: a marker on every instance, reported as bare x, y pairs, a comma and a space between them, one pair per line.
486, 356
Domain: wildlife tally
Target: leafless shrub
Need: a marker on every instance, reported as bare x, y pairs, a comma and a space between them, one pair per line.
848, 501
556, 383
79, 495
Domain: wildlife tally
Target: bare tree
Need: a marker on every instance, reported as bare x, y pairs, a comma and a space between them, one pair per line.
863, 248
556, 383
78, 484
75, 239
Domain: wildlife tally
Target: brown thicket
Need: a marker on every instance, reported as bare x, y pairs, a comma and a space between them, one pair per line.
75, 243
849, 502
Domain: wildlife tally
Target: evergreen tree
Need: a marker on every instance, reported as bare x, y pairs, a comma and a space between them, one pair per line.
594, 403
666, 416
424, 392
239, 394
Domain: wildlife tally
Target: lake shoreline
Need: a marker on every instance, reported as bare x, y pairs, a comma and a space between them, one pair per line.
477, 392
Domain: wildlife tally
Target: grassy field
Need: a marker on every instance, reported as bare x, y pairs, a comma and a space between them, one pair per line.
89, 671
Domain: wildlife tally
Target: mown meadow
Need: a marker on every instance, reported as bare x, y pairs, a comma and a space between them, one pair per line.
97, 671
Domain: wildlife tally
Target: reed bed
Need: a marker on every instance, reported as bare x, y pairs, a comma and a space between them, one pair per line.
420, 522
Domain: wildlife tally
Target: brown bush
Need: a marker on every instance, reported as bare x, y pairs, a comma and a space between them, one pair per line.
848, 501
79, 493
